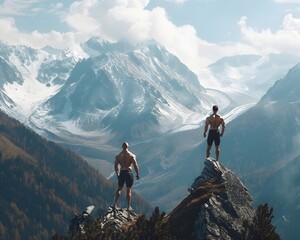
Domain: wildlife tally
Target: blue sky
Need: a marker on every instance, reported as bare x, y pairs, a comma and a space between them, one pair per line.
198, 31
217, 20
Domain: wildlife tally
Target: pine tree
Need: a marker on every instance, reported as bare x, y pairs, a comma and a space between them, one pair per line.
262, 227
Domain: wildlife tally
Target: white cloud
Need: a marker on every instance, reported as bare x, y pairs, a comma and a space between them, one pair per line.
119, 19
286, 39
177, 1
130, 19
12, 35
59, 5
183, 1
287, 1
16, 7
114, 19
23, 8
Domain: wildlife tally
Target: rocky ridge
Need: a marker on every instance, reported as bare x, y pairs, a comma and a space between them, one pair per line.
218, 206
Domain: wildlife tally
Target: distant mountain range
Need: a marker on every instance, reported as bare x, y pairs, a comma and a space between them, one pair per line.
251, 74
94, 97
127, 94
43, 184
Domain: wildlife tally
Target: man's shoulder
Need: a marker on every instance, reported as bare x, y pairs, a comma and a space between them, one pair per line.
219, 116
222, 120
131, 154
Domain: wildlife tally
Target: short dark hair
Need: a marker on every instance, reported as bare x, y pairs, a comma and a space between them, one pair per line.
215, 108
125, 145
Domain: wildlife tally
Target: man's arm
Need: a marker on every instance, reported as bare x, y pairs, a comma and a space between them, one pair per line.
206, 127
222, 127
136, 167
116, 166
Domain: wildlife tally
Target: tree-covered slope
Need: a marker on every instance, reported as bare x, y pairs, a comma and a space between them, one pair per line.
43, 184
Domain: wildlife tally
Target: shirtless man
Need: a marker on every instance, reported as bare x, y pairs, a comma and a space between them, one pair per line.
125, 159
214, 120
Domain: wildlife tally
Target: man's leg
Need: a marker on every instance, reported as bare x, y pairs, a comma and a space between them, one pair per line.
208, 151
118, 193
217, 152
129, 183
128, 198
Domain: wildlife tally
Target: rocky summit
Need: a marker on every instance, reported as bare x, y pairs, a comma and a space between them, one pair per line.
118, 218
216, 208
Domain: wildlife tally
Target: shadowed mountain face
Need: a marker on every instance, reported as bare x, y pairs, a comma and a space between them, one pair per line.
285, 90
264, 136
9, 73
268, 133
262, 145
43, 184
280, 188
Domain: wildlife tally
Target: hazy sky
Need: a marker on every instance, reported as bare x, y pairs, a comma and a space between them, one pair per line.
198, 31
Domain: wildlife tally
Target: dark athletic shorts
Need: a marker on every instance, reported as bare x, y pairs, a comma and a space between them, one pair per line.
125, 176
213, 136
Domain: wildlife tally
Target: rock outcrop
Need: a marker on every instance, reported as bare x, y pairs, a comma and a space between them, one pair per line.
112, 224
119, 218
216, 208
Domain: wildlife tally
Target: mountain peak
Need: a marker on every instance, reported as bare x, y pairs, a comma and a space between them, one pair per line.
286, 89
152, 42
217, 206
96, 46
153, 47
51, 50
95, 40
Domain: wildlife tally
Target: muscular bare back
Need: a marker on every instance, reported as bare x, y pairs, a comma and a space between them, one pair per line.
214, 120
125, 159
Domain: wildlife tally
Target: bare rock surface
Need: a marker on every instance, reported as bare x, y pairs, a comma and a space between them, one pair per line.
119, 218
216, 208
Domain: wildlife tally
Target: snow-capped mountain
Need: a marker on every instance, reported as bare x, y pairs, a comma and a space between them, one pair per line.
133, 95
29, 76
251, 74
96, 46
9, 73
100, 94
129, 94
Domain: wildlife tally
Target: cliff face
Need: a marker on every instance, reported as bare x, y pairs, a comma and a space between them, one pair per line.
216, 208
